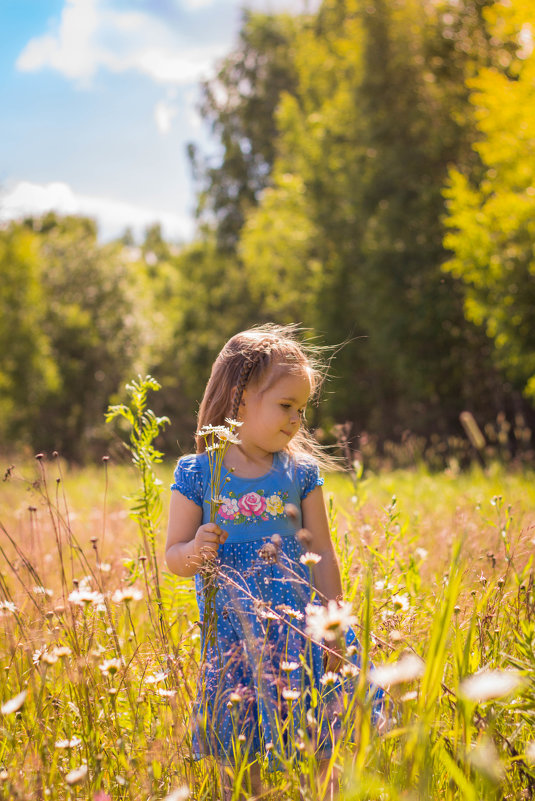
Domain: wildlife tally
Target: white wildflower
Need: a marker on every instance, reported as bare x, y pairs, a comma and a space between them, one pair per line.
530, 753
36, 656
290, 695
85, 597
349, 671
287, 610
490, 684
126, 595
61, 650
49, 657
421, 553
110, 666
408, 668
14, 704
72, 743
156, 677
181, 794
104, 567
400, 602
7, 606
263, 611
328, 622
289, 666
328, 679
166, 693
77, 775
310, 558
233, 423
43, 591
226, 435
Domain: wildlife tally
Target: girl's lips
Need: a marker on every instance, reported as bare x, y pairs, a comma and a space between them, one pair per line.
286, 433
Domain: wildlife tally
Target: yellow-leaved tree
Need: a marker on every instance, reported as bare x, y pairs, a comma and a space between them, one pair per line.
491, 211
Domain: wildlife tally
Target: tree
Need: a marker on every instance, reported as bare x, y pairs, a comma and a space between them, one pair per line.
239, 104
94, 333
28, 372
378, 113
491, 211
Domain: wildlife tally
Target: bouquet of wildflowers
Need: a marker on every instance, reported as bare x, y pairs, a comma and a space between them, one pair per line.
217, 440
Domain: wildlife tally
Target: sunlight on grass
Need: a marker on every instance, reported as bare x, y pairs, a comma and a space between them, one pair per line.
97, 689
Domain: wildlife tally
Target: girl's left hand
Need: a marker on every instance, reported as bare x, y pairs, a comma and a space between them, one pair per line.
332, 659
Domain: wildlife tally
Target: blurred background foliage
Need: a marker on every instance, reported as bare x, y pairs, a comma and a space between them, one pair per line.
374, 181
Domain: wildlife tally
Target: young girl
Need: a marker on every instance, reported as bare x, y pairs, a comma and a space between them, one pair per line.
271, 549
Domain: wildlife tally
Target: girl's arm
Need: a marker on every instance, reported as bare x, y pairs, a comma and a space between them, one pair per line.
189, 542
327, 572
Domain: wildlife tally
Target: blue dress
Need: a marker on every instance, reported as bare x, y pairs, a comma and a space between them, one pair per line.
263, 674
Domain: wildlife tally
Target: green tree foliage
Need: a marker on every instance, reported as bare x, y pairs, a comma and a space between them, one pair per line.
209, 303
28, 372
71, 332
491, 210
324, 205
239, 105
94, 328
350, 231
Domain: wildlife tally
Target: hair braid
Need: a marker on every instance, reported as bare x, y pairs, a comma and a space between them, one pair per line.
247, 368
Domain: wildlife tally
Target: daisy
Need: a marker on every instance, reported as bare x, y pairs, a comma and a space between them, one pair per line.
329, 679
328, 622
85, 597
310, 558
110, 667
289, 666
126, 595
290, 695
77, 775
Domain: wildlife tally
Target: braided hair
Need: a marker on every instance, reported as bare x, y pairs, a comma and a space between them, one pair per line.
258, 357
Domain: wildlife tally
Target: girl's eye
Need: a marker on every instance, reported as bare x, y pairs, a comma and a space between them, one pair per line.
285, 405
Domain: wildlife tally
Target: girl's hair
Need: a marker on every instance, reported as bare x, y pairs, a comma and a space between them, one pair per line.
250, 358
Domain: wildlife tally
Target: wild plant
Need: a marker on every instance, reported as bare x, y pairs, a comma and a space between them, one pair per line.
94, 705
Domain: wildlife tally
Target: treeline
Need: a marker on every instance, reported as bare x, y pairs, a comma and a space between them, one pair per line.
375, 182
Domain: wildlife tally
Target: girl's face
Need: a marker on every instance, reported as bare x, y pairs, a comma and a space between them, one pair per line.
271, 417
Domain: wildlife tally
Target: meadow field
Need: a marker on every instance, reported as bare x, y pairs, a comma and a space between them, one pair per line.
100, 644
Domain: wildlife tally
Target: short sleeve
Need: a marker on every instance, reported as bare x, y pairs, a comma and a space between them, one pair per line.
188, 479
308, 476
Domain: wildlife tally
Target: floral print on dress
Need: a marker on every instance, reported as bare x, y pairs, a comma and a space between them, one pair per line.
252, 506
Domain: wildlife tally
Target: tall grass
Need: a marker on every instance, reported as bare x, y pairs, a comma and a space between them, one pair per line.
100, 644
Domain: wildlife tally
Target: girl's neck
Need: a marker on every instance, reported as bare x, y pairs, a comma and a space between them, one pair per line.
248, 461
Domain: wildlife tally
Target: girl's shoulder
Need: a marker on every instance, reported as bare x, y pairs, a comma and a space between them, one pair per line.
190, 476
303, 469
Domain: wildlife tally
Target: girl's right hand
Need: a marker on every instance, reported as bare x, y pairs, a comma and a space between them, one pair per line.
208, 539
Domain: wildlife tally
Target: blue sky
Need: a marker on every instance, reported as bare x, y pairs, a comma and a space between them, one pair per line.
98, 102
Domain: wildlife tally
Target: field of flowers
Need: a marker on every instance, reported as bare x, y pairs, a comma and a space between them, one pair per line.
100, 653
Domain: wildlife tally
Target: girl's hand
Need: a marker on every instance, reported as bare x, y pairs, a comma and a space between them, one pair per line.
207, 540
332, 661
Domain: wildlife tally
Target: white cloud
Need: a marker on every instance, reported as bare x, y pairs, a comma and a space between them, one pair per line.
112, 216
164, 114
91, 35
